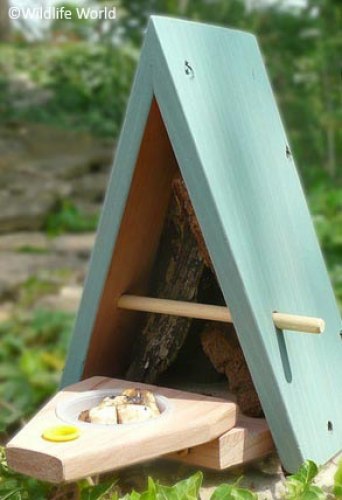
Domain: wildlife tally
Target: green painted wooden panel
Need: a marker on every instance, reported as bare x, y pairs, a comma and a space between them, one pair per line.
230, 144
231, 147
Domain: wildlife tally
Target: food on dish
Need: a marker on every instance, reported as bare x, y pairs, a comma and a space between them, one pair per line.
133, 405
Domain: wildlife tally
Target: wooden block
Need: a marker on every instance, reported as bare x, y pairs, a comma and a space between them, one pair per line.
249, 440
192, 419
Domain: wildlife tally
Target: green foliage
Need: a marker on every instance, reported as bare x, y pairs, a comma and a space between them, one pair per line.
34, 288
299, 486
87, 85
337, 490
101, 491
33, 250
32, 352
326, 206
92, 82
75, 28
233, 492
16, 487
188, 489
15, 484
68, 218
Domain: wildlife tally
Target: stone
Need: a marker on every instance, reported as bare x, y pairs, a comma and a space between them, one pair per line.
6, 310
24, 255
325, 477
74, 244
79, 245
25, 210
221, 345
26, 93
90, 187
15, 242
67, 300
41, 165
17, 268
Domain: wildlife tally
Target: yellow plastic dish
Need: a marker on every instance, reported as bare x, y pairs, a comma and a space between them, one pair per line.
61, 433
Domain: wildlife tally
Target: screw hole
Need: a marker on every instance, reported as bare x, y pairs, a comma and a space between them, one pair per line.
188, 69
330, 426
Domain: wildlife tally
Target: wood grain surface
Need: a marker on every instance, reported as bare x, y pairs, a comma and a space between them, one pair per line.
210, 312
249, 440
191, 420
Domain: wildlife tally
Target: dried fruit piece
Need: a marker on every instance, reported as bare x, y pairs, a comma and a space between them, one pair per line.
143, 397
84, 416
105, 414
129, 413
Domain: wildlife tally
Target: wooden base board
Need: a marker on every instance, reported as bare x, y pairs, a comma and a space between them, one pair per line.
249, 440
192, 419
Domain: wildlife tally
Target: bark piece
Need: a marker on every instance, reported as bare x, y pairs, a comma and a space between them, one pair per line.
184, 271
177, 274
222, 347
181, 193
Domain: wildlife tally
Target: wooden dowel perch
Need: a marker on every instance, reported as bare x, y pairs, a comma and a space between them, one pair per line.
305, 324
175, 308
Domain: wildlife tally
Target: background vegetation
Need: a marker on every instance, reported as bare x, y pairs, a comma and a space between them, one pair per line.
82, 72
86, 69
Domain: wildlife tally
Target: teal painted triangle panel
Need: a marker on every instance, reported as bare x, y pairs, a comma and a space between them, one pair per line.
232, 149
222, 119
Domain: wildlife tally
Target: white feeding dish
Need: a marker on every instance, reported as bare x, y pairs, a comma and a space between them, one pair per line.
70, 410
